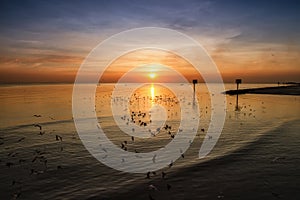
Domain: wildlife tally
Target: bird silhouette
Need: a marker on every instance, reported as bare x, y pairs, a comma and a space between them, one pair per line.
39, 126
153, 159
58, 137
16, 195
163, 174
15, 182
148, 175
12, 154
34, 159
122, 146
152, 187
171, 164
21, 139
9, 164
42, 132
168, 187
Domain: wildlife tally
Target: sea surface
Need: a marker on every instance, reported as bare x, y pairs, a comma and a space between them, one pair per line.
42, 157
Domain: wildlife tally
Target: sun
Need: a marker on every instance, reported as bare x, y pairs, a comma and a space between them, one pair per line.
152, 75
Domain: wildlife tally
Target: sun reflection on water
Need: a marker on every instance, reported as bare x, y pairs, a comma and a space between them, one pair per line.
152, 91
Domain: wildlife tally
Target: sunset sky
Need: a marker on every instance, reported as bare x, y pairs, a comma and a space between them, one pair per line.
46, 41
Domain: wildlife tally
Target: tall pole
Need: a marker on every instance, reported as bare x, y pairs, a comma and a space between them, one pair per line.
195, 81
237, 81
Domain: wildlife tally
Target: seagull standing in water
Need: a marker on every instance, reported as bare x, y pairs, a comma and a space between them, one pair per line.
148, 175
58, 137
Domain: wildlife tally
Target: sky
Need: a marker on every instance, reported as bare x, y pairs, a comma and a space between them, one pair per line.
47, 41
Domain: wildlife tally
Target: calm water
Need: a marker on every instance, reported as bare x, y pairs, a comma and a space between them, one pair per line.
34, 163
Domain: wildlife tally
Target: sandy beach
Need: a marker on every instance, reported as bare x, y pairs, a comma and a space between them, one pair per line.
279, 90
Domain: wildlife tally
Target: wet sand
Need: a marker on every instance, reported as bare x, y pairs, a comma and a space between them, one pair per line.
252, 172
280, 90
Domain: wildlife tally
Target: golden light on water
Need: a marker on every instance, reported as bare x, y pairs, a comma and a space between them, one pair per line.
152, 90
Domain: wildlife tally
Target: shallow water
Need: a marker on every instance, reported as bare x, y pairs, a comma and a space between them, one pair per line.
34, 164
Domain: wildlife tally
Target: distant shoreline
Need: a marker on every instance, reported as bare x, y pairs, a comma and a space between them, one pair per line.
279, 90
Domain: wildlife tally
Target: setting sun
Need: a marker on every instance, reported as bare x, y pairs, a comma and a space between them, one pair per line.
152, 75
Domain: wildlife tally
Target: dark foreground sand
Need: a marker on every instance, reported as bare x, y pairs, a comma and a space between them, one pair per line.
268, 168
280, 90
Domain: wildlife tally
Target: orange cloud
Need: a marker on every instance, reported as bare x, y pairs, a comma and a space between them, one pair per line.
145, 57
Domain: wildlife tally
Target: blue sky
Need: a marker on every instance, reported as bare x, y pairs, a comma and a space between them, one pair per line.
53, 32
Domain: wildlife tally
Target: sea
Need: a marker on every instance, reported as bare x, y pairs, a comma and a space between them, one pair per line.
43, 155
